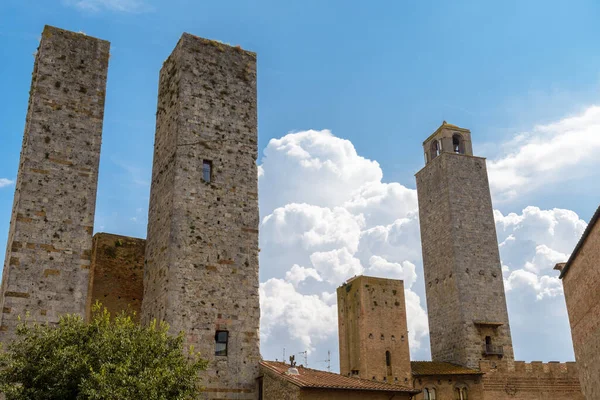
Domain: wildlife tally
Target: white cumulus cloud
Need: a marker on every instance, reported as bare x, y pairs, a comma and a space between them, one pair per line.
548, 154
5, 182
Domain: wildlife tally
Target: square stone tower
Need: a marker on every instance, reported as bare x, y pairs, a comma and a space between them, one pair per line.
201, 273
50, 238
468, 318
372, 328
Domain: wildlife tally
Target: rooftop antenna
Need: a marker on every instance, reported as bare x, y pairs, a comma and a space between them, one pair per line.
328, 361
305, 353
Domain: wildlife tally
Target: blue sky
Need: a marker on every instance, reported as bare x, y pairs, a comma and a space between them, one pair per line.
383, 76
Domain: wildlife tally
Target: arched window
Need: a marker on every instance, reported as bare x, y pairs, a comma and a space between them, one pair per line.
388, 359
457, 144
436, 148
460, 393
430, 394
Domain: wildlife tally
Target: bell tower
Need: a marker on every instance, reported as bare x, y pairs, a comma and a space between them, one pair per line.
468, 318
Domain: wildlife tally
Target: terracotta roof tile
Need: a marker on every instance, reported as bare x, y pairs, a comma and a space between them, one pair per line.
313, 379
440, 368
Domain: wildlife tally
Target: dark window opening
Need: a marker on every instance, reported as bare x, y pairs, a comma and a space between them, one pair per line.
388, 359
207, 171
354, 372
460, 393
429, 394
436, 148
221, 338
488, 340
260, 388
457, 144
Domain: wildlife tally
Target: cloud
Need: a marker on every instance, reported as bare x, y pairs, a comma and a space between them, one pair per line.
531, 243
5, 182
328, 217
548, 154
131, 6
307, 318
313, 167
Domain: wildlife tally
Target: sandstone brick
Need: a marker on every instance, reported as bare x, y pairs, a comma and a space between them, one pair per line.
117, 274
372, 328
581, 280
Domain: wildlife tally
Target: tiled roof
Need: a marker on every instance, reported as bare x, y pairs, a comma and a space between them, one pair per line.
440, 368
587, 231
315, 379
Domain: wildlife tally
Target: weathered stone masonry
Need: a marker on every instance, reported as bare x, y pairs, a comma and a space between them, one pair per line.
463, 279
202, 249
50, 237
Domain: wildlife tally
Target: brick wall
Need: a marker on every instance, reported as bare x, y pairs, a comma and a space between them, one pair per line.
581, 282
445, 385
530, 381
47, 263
117, 274
372, 321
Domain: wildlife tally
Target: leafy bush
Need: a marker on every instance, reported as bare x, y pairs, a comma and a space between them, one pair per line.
104, 359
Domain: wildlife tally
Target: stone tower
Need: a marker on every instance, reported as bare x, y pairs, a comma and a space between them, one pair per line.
201, 273
468, 318
50, 238
373, 336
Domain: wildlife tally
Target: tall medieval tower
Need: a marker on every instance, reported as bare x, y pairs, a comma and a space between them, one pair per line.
201, 273
373, 336
50, 238
468, 318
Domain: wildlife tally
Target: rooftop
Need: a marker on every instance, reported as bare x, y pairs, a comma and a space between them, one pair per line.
315, 379
445, 125
422, 368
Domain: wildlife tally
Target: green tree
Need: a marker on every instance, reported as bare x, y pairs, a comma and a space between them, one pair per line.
104, 359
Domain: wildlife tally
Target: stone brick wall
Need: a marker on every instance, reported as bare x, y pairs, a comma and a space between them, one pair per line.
371, 322
581, 283
330, 394
530, 381
277, 388
117, 274
445, 385
202, 245
462, 271
47, 263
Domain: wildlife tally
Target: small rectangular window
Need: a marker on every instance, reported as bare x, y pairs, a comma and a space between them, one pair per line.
221, 338
206, 170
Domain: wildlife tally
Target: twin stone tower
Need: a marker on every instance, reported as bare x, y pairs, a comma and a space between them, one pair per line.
201, 262
201, 257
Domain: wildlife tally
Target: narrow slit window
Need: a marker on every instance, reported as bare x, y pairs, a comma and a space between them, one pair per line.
207, 171
221, 339
388, 359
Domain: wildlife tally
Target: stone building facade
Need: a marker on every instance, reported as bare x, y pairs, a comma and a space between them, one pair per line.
47, 262
466, 303
373, 336
581, 279
201, 273
117, 274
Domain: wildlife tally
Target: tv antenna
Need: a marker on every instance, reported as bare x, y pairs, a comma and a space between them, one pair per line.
305, 354
328, 361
